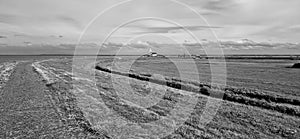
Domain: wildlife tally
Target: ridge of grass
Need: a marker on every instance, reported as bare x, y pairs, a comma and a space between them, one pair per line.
242, 96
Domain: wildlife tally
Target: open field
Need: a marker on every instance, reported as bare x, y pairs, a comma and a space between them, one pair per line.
261, 99
144, 69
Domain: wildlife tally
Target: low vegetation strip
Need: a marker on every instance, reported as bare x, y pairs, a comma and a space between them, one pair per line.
232, 121
150, 116
242, 96
48, 73
256, 94
72, 115
6, 70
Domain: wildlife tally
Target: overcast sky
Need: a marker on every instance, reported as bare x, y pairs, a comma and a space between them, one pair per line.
242, 26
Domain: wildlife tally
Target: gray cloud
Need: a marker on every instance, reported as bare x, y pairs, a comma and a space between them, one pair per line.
2, 37
244, 44
56, 36
213, 7
219, 4
238, 18
139, 45
294, 28
33, 49
63, 48
28, 43
21, 35
112, 48
172, 29
258, 45
3, 44
71, 21
7, 18
112, 44
71, 46
247, 44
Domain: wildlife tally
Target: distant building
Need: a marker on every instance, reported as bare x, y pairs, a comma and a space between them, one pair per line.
151, 54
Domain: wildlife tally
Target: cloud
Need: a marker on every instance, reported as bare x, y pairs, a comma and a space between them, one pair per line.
213, 7
21, 35
220, 4
295, 28
32, 49
246, 44
141, 47
112, 44
61, 22
56, 36
2, 37
3, 44
47, 48
70, 21
7, 18
137, 45
71, 46
170, 29
28, 43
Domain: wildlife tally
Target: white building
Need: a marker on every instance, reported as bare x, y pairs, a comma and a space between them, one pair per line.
151, 53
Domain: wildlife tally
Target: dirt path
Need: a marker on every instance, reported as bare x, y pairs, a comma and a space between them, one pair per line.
27, 110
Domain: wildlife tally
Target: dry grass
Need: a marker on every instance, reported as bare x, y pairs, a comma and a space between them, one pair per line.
245, 114
243, 96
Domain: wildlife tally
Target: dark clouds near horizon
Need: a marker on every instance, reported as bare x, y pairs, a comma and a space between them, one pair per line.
242, 46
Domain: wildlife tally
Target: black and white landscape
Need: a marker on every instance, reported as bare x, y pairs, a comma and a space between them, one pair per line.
150, 69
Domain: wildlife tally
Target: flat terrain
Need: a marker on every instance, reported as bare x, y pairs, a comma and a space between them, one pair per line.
50, 98
28, 108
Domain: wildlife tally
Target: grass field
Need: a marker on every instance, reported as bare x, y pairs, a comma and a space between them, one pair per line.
150, 100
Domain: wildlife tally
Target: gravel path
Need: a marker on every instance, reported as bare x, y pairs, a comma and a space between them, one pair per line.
27, 110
